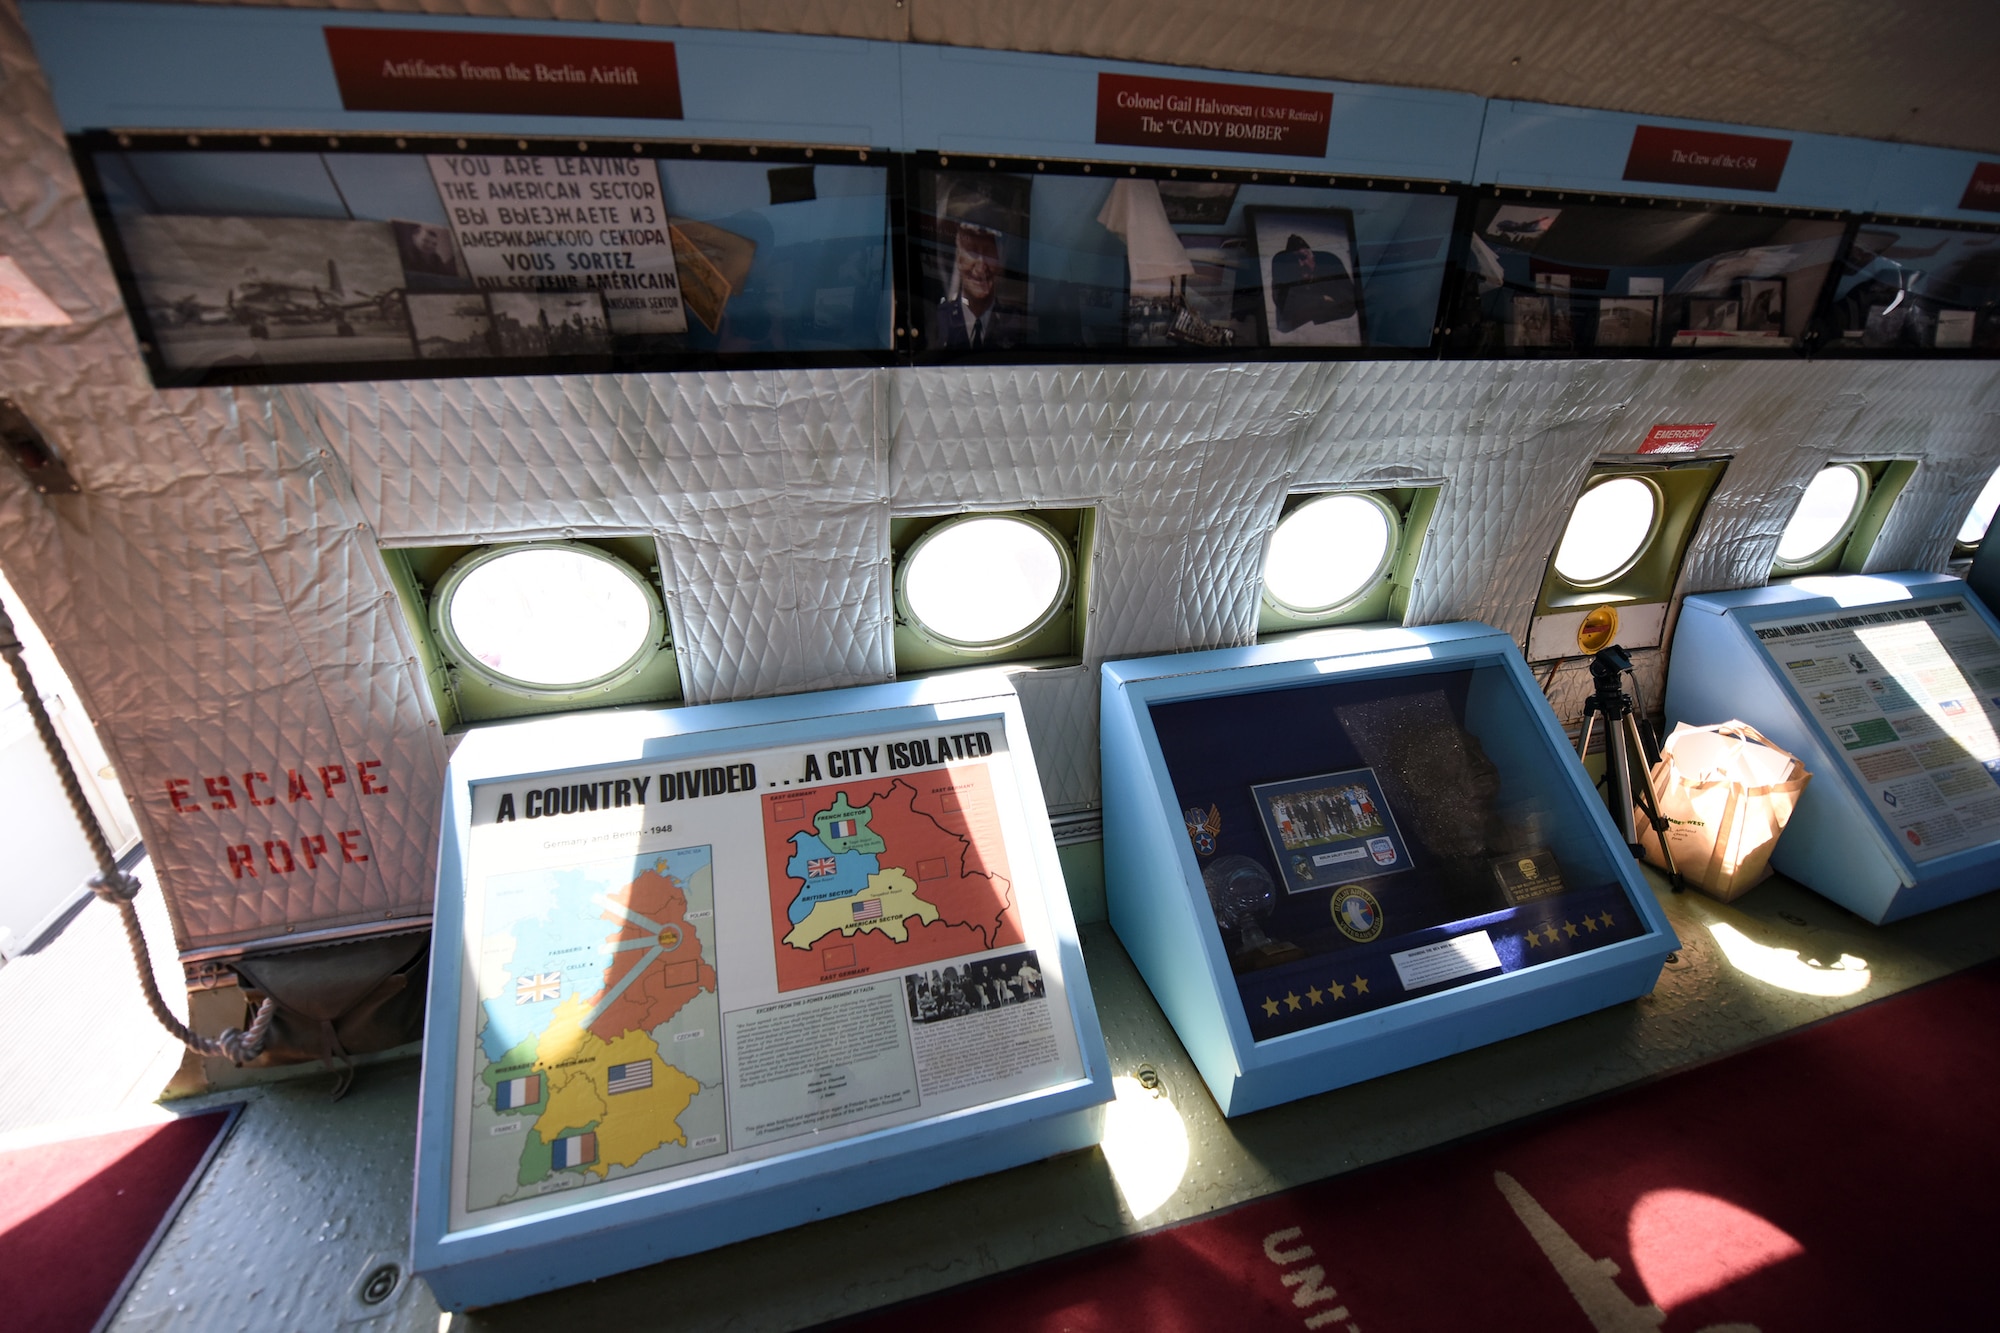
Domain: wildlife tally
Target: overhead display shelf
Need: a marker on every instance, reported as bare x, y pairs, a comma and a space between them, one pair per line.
272, 258
1570, 274
1918, 286
712, 972
1887, 686
1358, 850
1025, 258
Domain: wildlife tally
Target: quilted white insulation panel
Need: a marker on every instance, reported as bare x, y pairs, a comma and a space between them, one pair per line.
218, 595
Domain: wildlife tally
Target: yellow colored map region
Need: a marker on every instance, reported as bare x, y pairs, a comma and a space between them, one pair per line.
893, 888
628, 1124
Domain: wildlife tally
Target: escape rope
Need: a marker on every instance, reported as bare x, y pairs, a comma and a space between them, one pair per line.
116, 887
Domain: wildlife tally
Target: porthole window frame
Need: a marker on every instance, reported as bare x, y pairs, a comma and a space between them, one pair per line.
1065, 596
1964, 550
1826, 551
1639, 551
1390, 551
459, 656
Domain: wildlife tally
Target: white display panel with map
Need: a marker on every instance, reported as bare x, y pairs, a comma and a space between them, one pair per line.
1909, 697
675, 967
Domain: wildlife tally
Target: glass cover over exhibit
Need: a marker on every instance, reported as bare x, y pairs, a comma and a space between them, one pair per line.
1363, 842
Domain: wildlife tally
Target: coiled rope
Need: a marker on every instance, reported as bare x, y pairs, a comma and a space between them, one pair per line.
116, 887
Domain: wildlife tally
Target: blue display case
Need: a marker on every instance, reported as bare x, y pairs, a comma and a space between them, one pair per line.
1887, 687
1358, 850
705, 973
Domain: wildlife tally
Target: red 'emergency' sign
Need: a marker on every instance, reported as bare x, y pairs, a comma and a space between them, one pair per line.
1666, 438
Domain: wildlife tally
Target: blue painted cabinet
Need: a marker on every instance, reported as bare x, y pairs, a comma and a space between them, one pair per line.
1352, 852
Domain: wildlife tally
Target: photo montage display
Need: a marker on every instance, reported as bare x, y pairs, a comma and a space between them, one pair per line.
684, 965
1064, 256
1363, 842
438, 262
1549, 276
1918, 289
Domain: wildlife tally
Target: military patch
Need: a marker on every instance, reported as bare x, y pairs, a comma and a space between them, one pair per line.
1202, 828
1357, 913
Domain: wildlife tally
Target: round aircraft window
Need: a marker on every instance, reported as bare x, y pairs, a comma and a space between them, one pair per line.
1328, 552
547, 618
986, 581
1981, 514
1824, 517
1609, 530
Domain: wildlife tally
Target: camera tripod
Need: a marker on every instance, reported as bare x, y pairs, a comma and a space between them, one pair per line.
1628, 744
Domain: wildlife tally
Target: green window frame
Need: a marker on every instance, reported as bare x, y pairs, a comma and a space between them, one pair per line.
1387, 595
1054, 639
466, 691
1882, 483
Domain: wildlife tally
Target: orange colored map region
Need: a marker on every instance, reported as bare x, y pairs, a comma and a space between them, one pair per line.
956, 856
670, 979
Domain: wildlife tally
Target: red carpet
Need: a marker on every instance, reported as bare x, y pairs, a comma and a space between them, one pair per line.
1844, 1177
78, 1216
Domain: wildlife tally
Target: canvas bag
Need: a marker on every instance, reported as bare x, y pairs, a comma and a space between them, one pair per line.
1728, 793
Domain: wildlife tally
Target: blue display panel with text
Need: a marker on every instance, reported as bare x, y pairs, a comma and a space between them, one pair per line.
1887, 687
711, 972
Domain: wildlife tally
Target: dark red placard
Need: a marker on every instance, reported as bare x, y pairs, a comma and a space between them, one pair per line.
407, 69
1676, 438
1703, 157
1982, 192
1220, 117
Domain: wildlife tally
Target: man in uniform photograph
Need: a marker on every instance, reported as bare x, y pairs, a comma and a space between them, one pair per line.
972, 317
1309, 286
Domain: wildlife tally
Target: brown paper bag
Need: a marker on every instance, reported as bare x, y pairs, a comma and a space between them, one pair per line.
1727, 793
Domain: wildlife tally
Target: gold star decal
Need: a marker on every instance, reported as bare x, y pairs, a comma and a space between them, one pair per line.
1569, 930
1590, 924
1314, 993
1606, 919
1270, 1006
1361, 985
1335, 989
1533, 939
1291, 1001
1549, 936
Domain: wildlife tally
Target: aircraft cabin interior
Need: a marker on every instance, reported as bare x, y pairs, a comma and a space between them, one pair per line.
908, 664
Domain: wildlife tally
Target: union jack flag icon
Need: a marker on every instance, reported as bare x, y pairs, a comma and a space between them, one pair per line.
819, 866
538, 986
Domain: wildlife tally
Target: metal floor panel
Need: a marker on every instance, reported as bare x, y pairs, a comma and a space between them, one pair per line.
308, 1196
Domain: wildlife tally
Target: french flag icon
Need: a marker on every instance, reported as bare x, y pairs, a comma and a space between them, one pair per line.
576, 1150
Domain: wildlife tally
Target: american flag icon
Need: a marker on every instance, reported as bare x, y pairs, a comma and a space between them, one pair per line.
868, 909
537, 987
819, 866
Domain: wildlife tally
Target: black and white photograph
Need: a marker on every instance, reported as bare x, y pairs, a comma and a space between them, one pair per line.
1217, 292
1520, 225
1312, 289
451, 324
1529, 326
960, 989
430, 256
975, 262
223, 291
1763, 305
1197, 203
1624, 321
1712, 316
1562, 326
549, 323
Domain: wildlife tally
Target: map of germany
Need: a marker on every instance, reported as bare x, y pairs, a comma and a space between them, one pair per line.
599, 1036
882, 874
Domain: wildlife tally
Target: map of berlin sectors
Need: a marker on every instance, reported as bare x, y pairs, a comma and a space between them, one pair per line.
885, 873
588, 978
